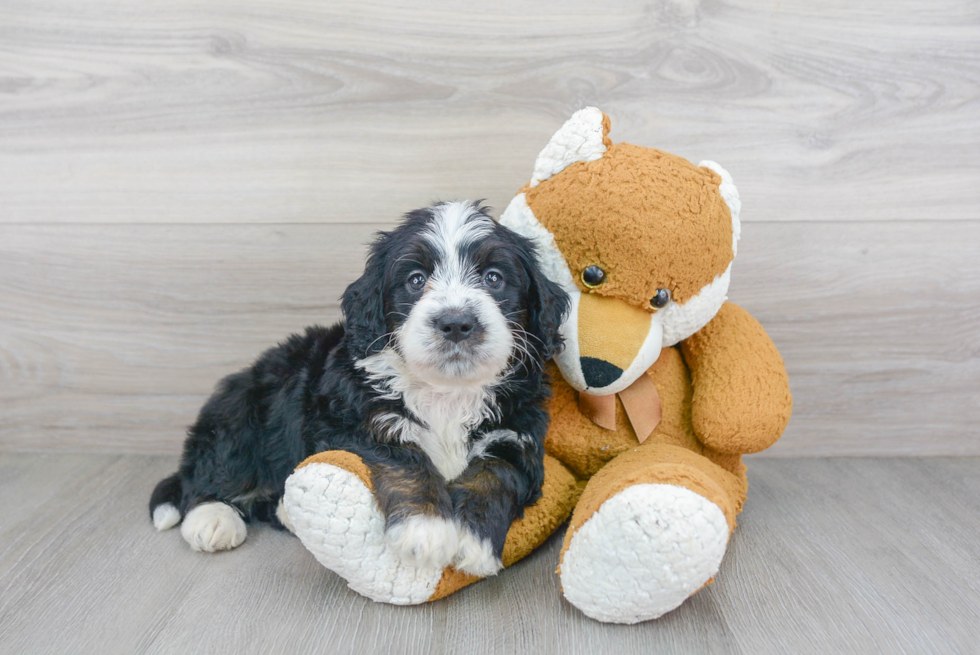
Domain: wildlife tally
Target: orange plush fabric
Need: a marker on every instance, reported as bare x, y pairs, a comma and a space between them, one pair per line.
342, 459
676, 233
741, 401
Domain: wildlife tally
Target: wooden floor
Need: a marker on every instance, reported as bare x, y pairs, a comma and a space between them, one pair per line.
831, 555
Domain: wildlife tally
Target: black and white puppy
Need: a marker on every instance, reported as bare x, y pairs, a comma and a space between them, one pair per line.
435, 379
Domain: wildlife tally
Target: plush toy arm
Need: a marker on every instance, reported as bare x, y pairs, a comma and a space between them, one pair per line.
741, 401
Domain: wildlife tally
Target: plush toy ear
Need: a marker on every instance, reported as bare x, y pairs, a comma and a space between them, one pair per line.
583, 137
363, 306
729, 194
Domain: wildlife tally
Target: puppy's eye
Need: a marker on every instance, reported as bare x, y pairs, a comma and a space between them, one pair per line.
593, 276
416, 281
493, 278
660, 300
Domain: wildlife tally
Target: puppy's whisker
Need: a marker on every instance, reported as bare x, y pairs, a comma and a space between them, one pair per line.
383, 336
525, 332
523, 346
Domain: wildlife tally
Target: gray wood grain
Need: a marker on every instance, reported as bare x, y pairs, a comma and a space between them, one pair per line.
185, 111
113, 335
184, 183
839, 555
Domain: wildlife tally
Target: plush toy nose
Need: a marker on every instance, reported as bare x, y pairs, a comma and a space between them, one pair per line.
599, 373
457, 325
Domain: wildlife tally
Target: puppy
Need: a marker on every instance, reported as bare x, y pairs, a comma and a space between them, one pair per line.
435, 379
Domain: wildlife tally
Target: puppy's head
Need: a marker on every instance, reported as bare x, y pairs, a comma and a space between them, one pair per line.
456, 297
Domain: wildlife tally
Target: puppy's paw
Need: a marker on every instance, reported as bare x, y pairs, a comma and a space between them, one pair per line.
210, 527
475, 555
165, 516
424, 541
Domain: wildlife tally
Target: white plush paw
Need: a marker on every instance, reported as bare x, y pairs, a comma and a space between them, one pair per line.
210, 527
475, 555
284, 517
643, 553
337, 519
424, 541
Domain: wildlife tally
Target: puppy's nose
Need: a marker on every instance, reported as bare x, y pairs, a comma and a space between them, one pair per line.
457, 324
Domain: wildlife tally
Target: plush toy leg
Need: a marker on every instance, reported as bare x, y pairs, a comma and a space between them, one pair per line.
650, 530
330, 504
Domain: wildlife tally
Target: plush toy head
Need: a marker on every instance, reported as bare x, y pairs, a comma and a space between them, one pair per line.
611, 206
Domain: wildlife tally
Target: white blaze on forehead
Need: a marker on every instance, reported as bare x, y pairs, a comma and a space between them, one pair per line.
454, 226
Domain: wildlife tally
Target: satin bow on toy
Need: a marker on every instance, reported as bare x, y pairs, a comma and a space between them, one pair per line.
640, 400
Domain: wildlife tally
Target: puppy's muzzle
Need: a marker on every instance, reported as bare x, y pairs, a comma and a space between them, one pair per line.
458, 325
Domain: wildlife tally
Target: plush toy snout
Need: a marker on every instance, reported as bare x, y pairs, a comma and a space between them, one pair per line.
608, 344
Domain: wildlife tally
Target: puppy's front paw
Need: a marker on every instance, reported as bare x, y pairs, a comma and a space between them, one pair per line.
213, 526
475, 555
424, 541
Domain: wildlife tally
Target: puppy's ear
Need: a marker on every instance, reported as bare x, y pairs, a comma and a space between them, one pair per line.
547, 308
364, 308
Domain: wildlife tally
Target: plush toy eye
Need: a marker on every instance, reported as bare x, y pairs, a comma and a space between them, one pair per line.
660, 300
416, 281
493, 278
593, 276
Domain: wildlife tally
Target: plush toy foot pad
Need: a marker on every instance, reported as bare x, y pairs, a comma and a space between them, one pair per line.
643, 553
335, 515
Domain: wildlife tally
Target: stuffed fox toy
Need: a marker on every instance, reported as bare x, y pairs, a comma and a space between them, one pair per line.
661, 387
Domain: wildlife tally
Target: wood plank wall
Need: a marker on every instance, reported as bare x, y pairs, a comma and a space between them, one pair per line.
183, 183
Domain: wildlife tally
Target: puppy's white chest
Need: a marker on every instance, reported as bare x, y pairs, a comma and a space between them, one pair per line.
448, 418
446, 448
445, 415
